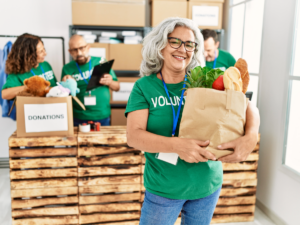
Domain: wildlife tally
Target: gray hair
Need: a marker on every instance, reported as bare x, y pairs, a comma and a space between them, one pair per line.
157, 40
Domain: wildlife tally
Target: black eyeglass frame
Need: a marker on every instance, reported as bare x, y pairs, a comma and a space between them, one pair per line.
183, 42
78, 49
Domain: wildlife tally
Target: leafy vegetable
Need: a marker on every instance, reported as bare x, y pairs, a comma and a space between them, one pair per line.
202, 77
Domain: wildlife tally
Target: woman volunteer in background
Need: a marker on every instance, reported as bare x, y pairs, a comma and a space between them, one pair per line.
25, 60
193, 185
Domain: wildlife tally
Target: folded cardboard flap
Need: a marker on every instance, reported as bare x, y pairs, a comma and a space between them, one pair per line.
40, 103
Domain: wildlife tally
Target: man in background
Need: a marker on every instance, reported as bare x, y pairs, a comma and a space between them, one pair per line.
97, 100
215, 58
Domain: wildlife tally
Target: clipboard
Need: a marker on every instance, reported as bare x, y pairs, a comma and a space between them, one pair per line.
98, 73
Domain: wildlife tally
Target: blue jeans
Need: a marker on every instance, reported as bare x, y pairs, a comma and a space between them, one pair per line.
104, 122
158, 210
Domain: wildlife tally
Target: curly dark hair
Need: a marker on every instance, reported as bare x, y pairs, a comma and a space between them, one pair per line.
22, 56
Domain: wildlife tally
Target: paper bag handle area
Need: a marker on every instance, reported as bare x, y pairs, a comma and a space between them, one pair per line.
228, 99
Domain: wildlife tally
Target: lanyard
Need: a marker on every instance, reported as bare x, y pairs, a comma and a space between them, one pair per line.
175, 119
42, 72
90, 68
215, 62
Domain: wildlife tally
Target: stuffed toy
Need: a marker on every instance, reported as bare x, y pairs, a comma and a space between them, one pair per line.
71, 84
35, 86
58, 91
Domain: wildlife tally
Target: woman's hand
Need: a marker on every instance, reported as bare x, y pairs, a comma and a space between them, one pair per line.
242, 147
191, 150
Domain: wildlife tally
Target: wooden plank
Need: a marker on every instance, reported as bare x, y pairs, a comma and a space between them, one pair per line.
17, 153
43, 173
108, 170
47, 220
50, 211
115, 207
98, 217
143, 159
256, 147
27, 193
237, 191
26, 203
253, 157
226, 218
99, 150
109, 188
239, 175
109, 180
104, 139
110, 160
43, 162
131, 222
109, 198
232, 218
240, 183
13, 141
240, 166
244, 200
235, 209
43, 183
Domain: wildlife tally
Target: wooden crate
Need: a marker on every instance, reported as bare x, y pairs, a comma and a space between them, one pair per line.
238, 193
109, 178
43, 174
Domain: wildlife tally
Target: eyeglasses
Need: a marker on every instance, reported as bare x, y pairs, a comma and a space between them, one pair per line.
176, 43
73, 50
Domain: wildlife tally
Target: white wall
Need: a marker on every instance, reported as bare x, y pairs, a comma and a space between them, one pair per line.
278, 189
39, 17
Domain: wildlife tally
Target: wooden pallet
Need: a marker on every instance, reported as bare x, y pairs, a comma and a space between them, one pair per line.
238, 193
109, 178
43, 173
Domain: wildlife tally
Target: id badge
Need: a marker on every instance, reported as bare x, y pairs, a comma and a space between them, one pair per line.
89, 100
168, 157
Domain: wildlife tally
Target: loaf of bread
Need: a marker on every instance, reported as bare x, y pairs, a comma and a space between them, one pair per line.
242, 66
232, 79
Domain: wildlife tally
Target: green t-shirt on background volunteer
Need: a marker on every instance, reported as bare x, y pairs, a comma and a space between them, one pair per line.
16, 80
93, 112
224, 61
181, 181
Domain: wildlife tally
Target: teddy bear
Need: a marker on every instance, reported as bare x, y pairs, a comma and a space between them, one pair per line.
71, 84
35, 86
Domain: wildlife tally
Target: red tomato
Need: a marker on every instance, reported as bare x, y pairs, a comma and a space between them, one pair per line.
218, 84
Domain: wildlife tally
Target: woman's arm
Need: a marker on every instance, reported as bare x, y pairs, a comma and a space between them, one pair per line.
11, 93
243, 146
187, 149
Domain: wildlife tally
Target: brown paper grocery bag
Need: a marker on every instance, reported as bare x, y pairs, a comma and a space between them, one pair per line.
218, 116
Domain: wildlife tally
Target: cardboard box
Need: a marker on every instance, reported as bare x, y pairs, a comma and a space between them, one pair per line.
126, 56
40, 116
163, 9
99, 50
206, 13
109, 13
118, 117
126, 85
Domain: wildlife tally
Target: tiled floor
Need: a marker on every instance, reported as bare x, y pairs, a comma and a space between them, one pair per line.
5, 209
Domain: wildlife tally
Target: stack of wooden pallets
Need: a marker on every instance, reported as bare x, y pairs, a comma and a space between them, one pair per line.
109, 178
43, 173
95, 177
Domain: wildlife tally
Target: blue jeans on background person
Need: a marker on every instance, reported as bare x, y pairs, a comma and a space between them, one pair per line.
104, 122
158, 210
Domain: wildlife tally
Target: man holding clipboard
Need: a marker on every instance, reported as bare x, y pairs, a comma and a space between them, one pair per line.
96, 101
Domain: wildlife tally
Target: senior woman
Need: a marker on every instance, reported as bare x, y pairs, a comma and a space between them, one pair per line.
192, 186
26, 59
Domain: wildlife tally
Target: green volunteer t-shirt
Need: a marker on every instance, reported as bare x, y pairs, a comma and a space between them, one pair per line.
16, 80
181, 181
93, 112
224, 61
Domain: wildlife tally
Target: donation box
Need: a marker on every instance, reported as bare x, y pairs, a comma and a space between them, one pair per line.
40, 116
